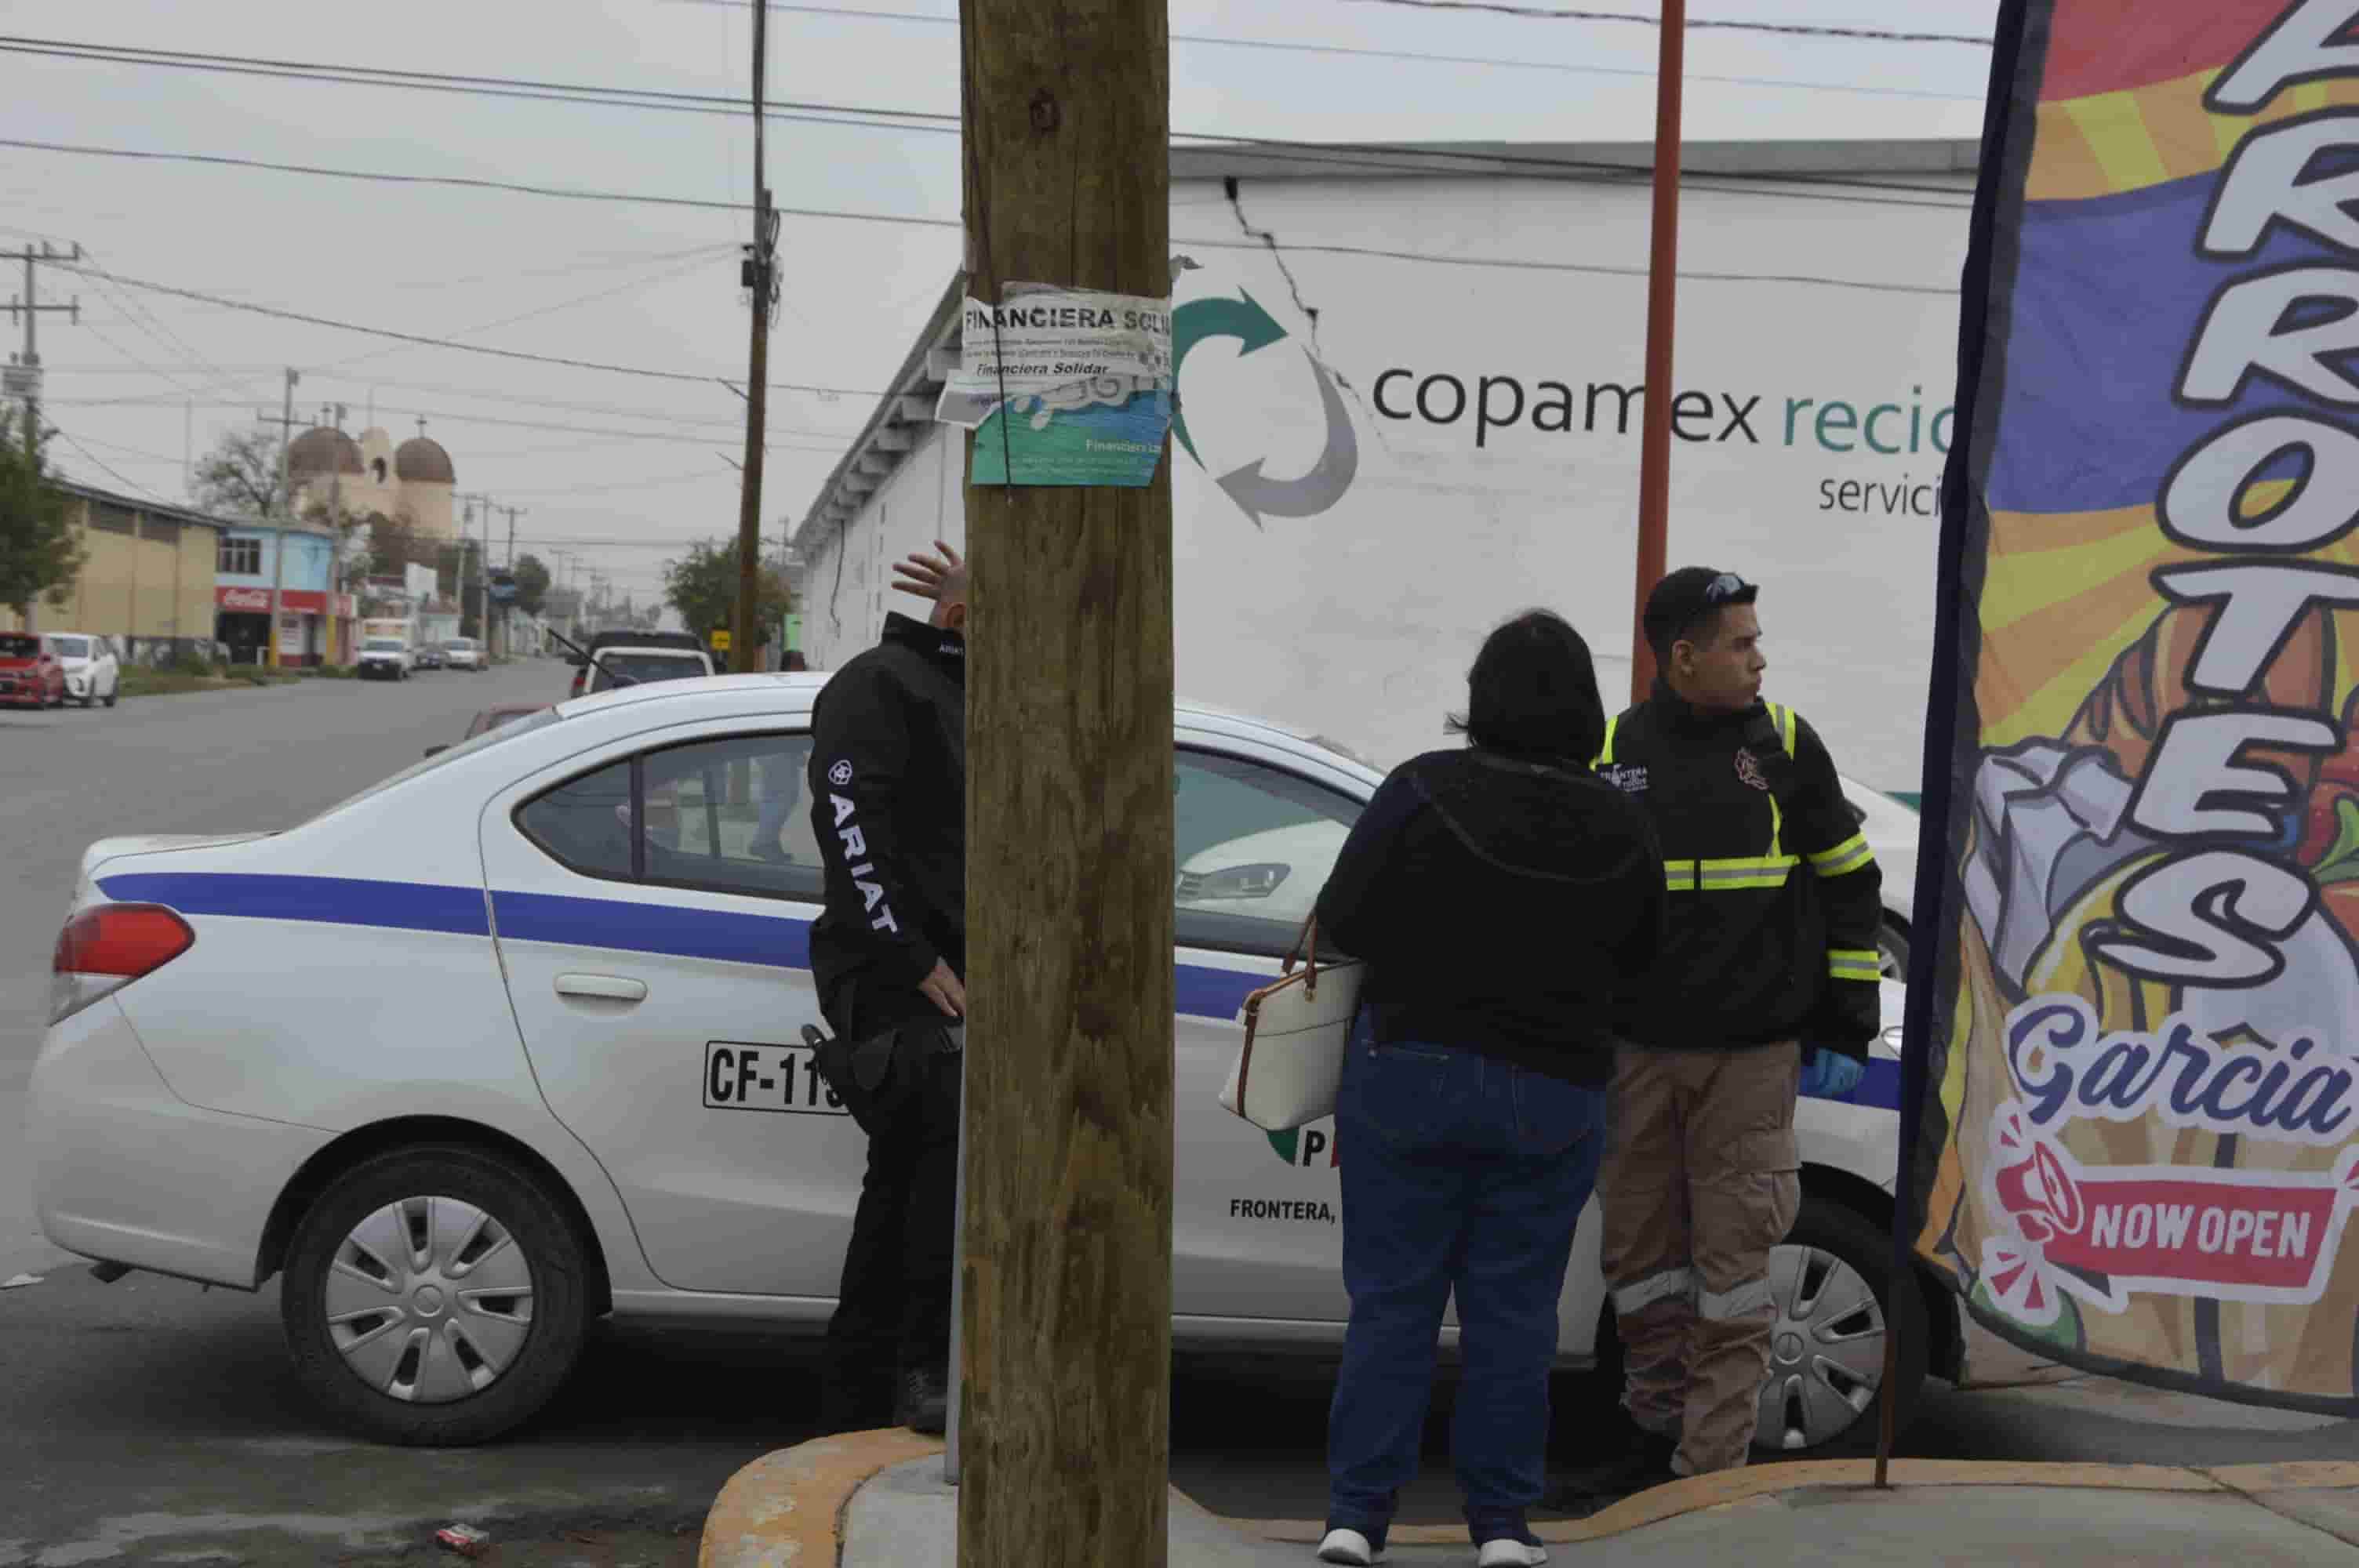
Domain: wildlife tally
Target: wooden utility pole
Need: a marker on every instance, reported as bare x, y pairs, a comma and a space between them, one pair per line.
1662, 276
759, 273
1065, 1308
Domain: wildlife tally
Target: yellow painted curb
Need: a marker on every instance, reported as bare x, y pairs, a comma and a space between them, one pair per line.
1699, 1492
786, 1509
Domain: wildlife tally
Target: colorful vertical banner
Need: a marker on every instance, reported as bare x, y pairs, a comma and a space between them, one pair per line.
2133, 1075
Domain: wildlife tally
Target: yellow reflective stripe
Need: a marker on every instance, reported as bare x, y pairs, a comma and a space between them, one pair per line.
1784, 725
1848, 856
1605, 752
1727, 875
1680, 878
1854, 964
1777, 828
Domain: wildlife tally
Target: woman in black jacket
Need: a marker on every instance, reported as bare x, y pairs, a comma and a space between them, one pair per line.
1504, 900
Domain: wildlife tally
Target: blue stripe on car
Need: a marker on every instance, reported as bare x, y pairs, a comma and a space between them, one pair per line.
332, 901
781, 941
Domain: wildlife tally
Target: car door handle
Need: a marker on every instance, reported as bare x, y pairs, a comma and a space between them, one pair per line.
608, 987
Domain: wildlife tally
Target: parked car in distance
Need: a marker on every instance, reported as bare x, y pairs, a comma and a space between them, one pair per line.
429, 656
383, 658
30, 671
637, 665
93, 675
465, 654
615, 638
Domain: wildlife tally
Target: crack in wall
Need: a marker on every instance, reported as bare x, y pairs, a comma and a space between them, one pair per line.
1231, 186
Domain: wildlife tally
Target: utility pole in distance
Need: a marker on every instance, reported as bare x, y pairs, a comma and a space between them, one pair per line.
23, 375
1065, 1289
759, 274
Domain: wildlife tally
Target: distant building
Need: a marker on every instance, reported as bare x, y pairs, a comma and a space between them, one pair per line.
370, 478
146, 578
314, 620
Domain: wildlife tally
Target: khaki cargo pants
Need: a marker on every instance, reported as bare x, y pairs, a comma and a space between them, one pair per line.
1702, 1178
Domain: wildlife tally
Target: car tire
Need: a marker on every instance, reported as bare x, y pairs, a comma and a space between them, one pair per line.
1827, 1348
112, 692
1587, 1427
1892, 950
89, 698
396, 1374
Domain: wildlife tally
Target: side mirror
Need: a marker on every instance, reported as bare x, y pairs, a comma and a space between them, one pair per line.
436, 751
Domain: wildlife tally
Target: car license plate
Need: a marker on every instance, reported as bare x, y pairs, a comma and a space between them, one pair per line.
741, 1076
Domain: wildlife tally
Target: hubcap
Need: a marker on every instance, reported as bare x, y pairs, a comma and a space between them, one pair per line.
1826, 1349
430, 1300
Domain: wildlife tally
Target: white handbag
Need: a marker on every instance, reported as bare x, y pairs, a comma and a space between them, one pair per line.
1297, 1031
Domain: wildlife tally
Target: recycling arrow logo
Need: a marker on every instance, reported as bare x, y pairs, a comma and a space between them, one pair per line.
1256, 493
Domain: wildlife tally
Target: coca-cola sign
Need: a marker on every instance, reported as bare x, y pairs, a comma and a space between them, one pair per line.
245, 601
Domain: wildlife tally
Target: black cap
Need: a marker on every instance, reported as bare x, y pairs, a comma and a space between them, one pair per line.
1685, 597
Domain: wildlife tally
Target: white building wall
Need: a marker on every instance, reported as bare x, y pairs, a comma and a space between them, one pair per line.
1360, 620
847, 584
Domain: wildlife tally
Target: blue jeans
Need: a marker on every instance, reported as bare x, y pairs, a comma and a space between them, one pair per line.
1460, 1174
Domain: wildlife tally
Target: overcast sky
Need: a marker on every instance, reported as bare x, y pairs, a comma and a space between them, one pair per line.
622, 470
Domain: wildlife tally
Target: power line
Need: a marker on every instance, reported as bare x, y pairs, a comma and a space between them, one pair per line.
425, 342
1422, 58
1829, 189
133, 484
699, 257
440, 81
831, 441
1694, 24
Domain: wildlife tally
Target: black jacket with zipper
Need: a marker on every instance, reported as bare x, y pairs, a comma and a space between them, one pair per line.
1775, 903
1502, 905
888, 806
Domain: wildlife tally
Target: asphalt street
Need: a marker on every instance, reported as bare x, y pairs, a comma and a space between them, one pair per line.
151, 1421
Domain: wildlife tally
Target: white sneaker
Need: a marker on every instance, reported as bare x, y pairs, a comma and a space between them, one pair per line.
1349, 1546
1508, 1552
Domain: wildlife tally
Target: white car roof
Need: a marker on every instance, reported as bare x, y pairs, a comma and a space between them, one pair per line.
759, 693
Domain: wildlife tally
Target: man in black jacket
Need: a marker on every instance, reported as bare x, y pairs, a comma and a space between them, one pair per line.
1772, 942
888, 806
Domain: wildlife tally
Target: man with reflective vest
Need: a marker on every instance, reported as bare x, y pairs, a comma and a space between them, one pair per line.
1770, 957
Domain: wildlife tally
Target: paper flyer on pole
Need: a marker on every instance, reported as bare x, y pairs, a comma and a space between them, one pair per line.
1063, 387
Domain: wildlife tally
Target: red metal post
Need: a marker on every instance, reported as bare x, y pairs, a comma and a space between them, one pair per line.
1662, 273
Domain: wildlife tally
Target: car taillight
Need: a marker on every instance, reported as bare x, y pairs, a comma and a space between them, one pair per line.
107, 947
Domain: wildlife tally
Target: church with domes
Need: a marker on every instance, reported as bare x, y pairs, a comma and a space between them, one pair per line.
370, 478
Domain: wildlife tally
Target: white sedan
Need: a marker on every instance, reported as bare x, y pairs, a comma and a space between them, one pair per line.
93, 675
599, 1102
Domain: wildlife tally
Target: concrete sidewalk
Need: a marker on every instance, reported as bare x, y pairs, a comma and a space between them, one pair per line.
876, 1499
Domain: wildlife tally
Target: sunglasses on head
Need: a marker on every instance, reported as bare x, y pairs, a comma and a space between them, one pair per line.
1727, 584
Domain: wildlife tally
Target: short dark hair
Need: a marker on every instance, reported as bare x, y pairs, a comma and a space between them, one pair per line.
1532, 691
1689, 599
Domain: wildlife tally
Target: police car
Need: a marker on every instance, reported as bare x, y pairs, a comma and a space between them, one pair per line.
511, 1041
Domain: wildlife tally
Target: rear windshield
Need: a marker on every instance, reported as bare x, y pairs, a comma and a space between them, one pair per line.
18, 645
461, 644
380, 645
639, 668
70, 647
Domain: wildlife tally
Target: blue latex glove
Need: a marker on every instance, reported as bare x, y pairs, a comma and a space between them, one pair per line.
1830, 1074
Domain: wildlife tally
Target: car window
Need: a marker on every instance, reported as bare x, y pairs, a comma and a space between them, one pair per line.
584, 822
727, 816
18, 645
70, 647
639, 668
1254, 845
732, 816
